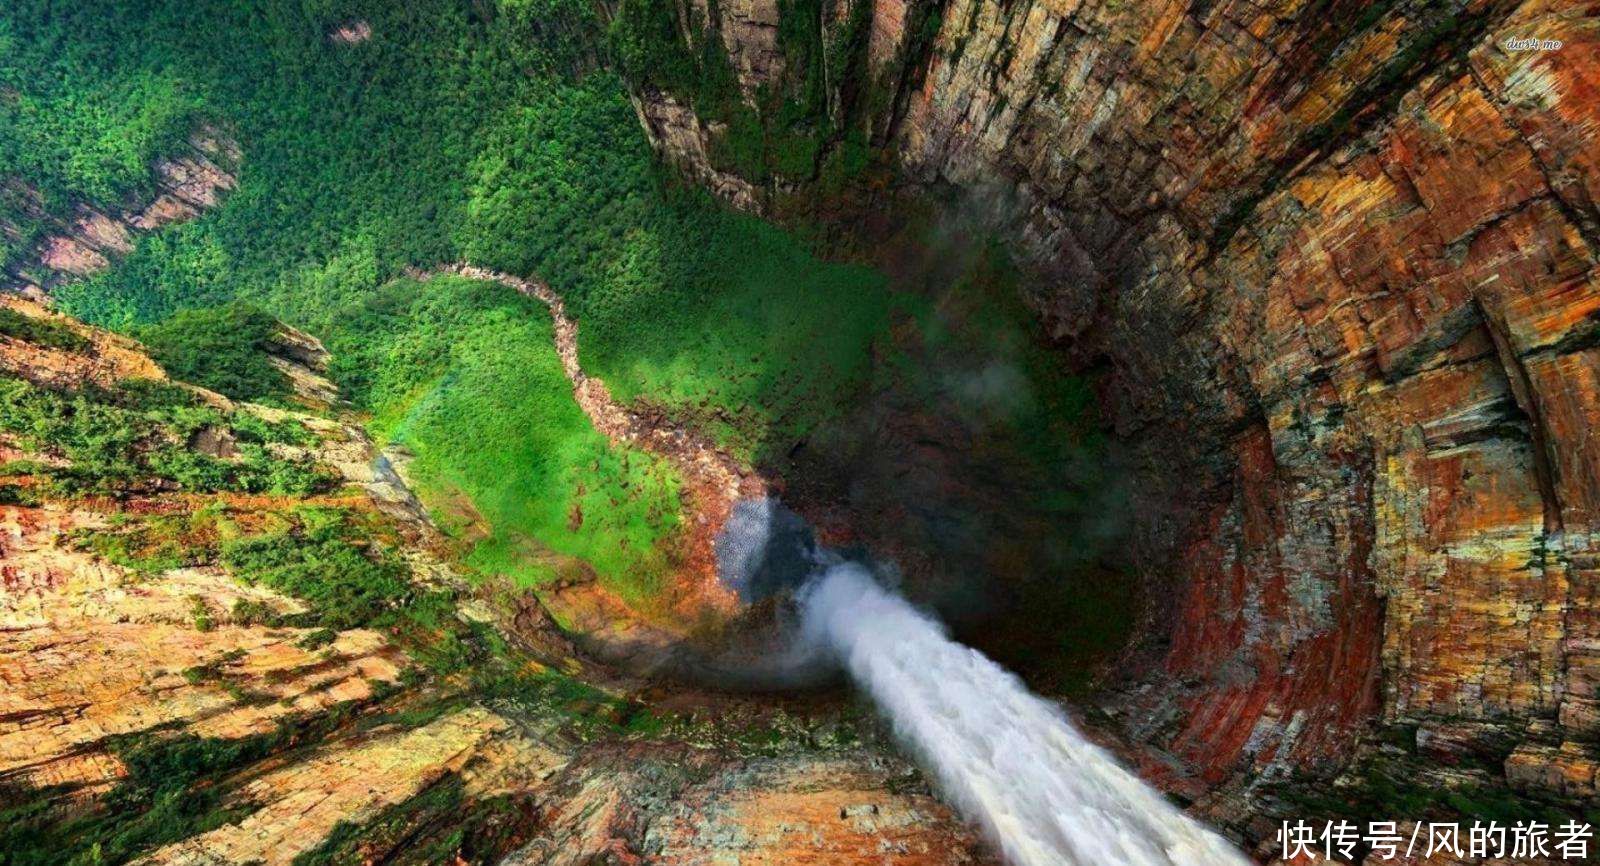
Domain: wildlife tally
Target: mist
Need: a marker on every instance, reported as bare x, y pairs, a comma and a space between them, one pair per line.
1004, 758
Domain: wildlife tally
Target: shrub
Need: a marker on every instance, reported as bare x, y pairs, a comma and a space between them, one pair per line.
221, 348
318, 562
117, 441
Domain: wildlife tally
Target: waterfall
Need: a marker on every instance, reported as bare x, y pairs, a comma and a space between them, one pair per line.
1003, 757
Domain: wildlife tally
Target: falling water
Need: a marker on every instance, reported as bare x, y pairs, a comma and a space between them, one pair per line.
1005, 758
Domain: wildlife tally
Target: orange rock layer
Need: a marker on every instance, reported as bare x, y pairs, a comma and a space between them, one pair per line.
1340, 259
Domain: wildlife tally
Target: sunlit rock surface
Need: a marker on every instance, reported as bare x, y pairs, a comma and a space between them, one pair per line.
345, 744
186, 183
1340, 262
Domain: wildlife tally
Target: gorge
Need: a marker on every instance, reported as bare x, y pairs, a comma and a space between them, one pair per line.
1287, 233
537, 379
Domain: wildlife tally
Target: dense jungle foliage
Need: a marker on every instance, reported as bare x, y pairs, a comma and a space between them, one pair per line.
489, 131
478, 131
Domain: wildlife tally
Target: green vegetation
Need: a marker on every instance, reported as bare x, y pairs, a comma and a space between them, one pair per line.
483, 132
464, 374
205, 673
137, 436
179, 785
971, 362
438, 825
779, 348
202, 614
792, 130
315, 558
1389, 781
45, 332
221, 348
342, 563
339, 561
459, 131
1039, 410
169, 794
155, 543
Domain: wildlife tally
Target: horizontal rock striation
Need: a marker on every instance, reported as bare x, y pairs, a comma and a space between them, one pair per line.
692, 807
190, 715
1340, 261
352, 781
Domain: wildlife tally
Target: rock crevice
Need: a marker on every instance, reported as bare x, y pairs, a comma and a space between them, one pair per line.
1338, 262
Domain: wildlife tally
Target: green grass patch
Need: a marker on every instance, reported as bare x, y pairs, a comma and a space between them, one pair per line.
465, 374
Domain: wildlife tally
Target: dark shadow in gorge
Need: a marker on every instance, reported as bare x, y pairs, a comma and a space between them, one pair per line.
972, 471
975, 467
971, 468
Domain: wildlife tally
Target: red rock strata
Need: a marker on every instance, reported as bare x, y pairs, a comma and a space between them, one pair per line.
1340, 260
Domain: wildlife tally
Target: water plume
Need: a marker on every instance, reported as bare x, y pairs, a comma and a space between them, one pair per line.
1005, 758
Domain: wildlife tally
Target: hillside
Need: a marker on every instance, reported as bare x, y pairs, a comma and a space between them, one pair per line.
231, 635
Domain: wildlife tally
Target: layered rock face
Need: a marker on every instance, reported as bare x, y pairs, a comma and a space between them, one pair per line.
183, 185
1340, 260
264, 734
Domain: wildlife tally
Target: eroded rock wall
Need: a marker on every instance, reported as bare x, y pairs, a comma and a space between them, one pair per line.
136, 692
182, 185
1340, 260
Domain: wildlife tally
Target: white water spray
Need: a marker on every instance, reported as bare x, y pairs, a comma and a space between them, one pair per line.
1004, 757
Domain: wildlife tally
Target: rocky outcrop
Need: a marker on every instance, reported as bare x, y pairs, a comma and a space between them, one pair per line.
105, 358
90, 239
1339, 260
226, 723
681, 807
90, 652
684, 139
353, 780
352, 32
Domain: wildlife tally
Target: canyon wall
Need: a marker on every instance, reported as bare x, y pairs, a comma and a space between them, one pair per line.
56, 249
160, 705
1340, 261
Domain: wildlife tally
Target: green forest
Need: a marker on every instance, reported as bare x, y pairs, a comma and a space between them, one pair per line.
479, 131
492, 132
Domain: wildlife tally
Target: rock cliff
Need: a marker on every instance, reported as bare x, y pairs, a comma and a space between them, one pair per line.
1338, 260
53, 248
175, 689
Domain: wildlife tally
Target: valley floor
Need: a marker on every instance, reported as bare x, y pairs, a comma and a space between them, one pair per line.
199, 710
